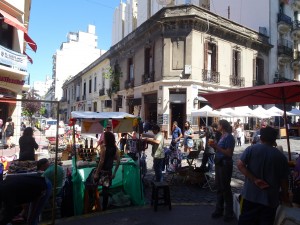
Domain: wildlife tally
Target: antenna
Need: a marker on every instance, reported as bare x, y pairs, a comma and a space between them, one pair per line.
164, 2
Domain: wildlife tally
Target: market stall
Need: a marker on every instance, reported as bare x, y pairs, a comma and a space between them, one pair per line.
84, 160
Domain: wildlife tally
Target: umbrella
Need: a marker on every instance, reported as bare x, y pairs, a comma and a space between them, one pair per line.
207, 111
278, 93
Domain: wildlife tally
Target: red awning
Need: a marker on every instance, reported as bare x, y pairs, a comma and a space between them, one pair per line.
10, 101
30, 42
28, 57
13, 21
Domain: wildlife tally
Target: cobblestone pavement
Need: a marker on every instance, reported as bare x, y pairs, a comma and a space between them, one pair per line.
185, 192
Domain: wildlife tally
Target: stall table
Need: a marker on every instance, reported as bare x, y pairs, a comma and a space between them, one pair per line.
127, 177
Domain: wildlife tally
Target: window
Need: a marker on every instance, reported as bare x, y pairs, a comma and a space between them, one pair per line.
178, 49
130, 69
95, 106
95, 83
258, 64
236, 63
84, 89
148, 61
103, 83
210, 57
6, 35
90, 86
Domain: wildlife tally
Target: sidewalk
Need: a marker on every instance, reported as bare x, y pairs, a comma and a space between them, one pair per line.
180, 214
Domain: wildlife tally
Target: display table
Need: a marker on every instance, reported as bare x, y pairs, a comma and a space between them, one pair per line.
128, 177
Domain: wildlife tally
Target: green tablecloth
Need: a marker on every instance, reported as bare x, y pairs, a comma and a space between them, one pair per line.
128, 176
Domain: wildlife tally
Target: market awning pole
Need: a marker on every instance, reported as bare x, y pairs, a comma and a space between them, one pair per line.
286, 127
55, 168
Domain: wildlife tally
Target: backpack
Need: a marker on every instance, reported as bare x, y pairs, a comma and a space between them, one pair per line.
10, 129
67, 203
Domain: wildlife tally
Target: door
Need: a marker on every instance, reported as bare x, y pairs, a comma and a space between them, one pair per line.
178, 114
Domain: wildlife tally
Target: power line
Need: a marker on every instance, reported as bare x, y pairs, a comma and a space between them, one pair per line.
98, 3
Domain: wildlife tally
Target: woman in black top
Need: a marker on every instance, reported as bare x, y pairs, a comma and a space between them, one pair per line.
27, 145
108, 153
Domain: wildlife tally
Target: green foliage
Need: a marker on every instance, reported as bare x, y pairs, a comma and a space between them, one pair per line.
43, 111
113, 74
30, 108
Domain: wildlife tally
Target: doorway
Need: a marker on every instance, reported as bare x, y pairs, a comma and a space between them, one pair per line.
178, 113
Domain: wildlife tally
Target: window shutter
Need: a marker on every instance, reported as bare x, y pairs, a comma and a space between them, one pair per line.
238, 64
205, 54
254, 69
216, 58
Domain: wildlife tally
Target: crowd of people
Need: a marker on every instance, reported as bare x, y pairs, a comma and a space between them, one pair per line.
265, 169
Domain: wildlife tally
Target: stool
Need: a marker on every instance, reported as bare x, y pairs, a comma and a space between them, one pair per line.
91, 199
156, 186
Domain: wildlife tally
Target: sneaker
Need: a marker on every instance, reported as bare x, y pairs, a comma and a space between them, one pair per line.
216, 215
228, 218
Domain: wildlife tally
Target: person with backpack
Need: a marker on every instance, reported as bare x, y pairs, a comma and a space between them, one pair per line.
9, 131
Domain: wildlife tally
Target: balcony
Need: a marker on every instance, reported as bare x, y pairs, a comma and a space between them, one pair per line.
281, 78
258, 82
284, 23
83, 97
148, 78
77, 99
211, 76
296, 30
237, 81
296, 5
129, 83
296, 60
102, 92
284, 51
13, 63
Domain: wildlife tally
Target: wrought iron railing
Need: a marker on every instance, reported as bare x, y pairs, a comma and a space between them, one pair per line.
237, 81
211, 76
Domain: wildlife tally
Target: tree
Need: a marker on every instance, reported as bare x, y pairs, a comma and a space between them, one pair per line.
31, 108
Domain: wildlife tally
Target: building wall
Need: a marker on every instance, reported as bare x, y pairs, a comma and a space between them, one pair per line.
77, 53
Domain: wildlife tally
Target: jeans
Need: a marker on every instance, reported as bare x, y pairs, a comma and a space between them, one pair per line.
258, 214
38, 204
158, 167
224, 193
208, 158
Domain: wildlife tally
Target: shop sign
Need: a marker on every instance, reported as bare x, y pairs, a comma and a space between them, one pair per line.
12, 81
13, 59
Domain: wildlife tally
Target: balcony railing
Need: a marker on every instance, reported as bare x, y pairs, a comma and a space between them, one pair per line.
296, 24
77, 99
102, 92
147, 78
211, 76
284, 18
83, 97
129, 83
258, 82
237, 81
285, 47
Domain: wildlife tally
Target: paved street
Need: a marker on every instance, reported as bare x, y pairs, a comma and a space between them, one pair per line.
191, 202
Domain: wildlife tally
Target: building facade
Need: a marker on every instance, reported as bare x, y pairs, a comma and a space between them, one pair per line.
164, 65
88, 90
14, 22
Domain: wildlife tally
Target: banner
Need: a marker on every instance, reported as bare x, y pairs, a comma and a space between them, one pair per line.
13, 59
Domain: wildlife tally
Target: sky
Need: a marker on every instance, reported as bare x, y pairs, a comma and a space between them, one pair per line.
51, 21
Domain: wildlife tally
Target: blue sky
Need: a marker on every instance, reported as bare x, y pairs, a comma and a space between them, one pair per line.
51, 20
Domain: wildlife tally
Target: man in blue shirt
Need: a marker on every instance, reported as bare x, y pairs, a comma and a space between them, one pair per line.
176, 135
266, 171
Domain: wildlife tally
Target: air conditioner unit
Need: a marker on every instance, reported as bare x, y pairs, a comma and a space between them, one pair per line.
188, 69
107, 103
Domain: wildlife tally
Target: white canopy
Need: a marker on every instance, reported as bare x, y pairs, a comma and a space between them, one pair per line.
207, 111
100, 115
242, 111
94, 122
295, 112
274, 109
260, 112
